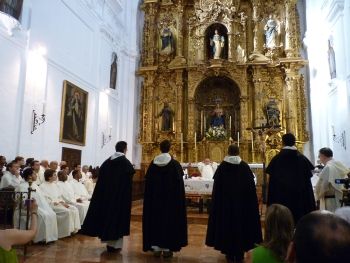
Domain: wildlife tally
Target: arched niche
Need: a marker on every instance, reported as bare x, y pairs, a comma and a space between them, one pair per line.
209, 33
211, 92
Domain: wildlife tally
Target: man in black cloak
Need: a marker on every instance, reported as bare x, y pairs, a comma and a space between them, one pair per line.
108, 216
290, 180
234, 220
164, 210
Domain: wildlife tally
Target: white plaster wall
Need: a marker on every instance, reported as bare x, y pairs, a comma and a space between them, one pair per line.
330, 107
79, 37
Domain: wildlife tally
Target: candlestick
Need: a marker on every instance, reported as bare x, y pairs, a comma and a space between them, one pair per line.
230, 125
182, 146
195, 140
238, 138
205, 124
202, 123
252, 136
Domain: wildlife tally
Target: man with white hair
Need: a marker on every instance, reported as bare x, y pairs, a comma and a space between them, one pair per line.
207, 169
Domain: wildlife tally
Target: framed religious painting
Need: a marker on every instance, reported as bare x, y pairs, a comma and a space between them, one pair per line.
71, 156
73, 114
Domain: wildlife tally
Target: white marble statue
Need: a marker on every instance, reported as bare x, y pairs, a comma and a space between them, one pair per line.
271, 32
217, 43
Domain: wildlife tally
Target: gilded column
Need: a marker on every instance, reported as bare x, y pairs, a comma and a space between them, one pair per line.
150, 33
179, 104
258, 96
291, 36
180, 29
290, 101
256, 31
148, 114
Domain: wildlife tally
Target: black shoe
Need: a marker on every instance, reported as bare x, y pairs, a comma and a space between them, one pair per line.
157, 254
229, 259
167, 254
113, 250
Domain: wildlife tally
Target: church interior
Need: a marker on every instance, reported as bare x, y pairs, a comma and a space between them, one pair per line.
78, 76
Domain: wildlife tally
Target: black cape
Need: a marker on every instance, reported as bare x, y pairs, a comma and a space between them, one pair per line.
234, 221
108, 216
164, 208
290, 183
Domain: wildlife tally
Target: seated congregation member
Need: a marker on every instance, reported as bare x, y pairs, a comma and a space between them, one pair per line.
29, 162
327, 191
109, 212
44, 165
69, 196
68, 220
234, 220
290, 179
35, 166
85, 173
279, 227
164, 210
320, 237
21, 163
90, 183
53, 166
11, 237
12, 177
2, 163
76, 167
80, 191
207, 169
47, 221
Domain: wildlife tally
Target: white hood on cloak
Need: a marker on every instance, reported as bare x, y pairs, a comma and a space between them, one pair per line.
162, 159
233, 159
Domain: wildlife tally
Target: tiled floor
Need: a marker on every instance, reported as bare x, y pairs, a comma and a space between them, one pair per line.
87, 250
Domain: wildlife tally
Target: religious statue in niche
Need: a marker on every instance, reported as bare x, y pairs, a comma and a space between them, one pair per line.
217, 43
271, 32
240, 54
331, 60
113, 72
218, 117
167, 47
167, 115
273, 114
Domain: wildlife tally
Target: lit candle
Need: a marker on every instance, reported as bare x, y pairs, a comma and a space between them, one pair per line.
238, 138
252, 141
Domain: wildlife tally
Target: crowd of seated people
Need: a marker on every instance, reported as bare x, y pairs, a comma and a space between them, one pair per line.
62, 201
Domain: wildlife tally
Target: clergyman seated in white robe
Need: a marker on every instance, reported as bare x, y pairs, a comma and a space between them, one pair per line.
69, 196
207, 169
47, 220
11, 178
79, 189
77, 167
327, 191
68, 220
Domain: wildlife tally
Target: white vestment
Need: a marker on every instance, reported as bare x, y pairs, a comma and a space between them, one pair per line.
90, 186
47, 221
68, 220
327, 191
207, 170
10, 180
69, 197
80, 190
40, 177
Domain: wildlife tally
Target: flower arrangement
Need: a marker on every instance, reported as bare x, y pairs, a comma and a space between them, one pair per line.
216, 133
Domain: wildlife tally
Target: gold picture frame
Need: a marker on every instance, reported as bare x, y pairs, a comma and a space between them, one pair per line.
73, 114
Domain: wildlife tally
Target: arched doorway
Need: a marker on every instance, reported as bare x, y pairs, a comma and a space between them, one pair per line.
217, 95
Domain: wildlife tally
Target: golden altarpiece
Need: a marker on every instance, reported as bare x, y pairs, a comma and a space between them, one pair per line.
217, 72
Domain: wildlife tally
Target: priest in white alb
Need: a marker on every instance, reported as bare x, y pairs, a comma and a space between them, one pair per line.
207, 169
67, 215
12, 177
327, 191
69, 196
80, 191
47, 220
